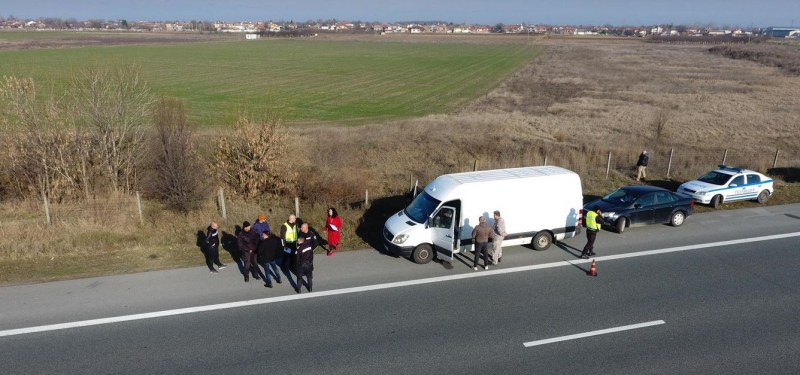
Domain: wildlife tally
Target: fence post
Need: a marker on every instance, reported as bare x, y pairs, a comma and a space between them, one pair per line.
296, 207
366, 198
724, 156
475, 167
139, 206
545, 160
414, 190
221, 199
669, 163
608, 165
775, 161
46, 208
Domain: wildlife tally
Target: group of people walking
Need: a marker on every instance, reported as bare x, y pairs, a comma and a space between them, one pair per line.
266, 254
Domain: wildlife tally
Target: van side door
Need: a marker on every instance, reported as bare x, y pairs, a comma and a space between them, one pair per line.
443, 224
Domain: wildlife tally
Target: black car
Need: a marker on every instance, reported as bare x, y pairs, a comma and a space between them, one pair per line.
641, 204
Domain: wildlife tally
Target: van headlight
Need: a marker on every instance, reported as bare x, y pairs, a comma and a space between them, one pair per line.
399, 239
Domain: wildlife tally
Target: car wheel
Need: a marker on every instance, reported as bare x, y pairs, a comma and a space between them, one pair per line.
763, 196
542, 241
677, 218
422, 254
620, 225
716, 201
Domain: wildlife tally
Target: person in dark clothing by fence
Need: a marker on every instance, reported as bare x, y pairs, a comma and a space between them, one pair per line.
269, 249
247, 241
211, 248
641, 166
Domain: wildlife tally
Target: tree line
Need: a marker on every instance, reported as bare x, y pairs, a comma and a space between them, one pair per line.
105, 132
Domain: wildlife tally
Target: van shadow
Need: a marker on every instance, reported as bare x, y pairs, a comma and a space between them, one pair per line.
790, 174
370, 229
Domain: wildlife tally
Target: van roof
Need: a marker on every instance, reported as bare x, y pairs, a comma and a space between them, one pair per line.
507, 174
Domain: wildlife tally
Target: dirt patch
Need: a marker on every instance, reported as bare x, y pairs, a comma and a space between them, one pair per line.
84, 39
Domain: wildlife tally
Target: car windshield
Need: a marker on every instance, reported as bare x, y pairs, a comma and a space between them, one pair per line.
715, 178
421, 207
620, 196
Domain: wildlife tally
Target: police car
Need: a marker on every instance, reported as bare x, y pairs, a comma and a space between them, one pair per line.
727, 184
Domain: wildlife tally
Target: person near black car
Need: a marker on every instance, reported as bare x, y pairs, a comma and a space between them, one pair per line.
594, 220
641, 166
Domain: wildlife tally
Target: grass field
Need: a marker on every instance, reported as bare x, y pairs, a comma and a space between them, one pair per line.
347, 82
577, 101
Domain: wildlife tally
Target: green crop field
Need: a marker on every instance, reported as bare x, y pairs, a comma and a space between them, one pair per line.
306, 81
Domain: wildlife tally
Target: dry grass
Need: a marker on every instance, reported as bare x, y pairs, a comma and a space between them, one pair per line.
581, 100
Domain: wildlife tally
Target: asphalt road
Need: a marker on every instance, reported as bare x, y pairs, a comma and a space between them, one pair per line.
726, 308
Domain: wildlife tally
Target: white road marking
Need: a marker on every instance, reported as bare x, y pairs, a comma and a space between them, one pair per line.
366, 288
593, 333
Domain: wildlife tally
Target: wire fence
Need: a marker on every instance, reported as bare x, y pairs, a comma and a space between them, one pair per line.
665, 163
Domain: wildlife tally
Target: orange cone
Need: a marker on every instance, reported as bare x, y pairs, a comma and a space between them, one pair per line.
593, 269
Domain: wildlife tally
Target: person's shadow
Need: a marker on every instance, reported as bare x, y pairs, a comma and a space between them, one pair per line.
228, 242
201, 241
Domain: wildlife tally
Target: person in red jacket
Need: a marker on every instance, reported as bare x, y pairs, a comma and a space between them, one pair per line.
333, 227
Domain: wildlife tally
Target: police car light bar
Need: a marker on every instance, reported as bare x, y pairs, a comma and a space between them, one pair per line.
729, 168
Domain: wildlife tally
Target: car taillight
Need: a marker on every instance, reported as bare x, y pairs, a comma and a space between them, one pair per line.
691, 204
580, 217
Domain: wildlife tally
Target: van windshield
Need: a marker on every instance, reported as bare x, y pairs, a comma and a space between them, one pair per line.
422, 207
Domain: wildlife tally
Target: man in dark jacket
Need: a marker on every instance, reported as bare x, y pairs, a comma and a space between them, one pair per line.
247, 241
211, 248
269, 248
641, 166
480, 237
305, 263
311, 237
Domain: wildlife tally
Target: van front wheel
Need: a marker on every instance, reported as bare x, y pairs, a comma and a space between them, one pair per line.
422, 254
542, 241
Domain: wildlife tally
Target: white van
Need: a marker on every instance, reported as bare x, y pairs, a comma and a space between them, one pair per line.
539, 205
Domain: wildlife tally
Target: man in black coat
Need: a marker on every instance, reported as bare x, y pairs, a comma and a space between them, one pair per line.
247, 241
305, 263
269, 248
211, 248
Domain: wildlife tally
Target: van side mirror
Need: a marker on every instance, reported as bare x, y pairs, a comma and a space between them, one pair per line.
637, 205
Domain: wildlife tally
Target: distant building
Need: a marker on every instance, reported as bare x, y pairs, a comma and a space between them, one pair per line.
780, 32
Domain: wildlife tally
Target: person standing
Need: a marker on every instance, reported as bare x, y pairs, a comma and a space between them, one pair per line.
289, 241
261, 225
333, 227
268, 250
211, 248
305, 263
247, 241
480, 237
594, 221
308, 235
641, 166
498, 234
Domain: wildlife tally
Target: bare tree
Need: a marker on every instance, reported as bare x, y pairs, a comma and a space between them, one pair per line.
174, 172
115, 104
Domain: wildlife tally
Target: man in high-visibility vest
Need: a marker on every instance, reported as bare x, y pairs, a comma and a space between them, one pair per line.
289, 238
594, 220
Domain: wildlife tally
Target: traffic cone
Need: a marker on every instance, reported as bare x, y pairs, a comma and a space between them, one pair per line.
593, 269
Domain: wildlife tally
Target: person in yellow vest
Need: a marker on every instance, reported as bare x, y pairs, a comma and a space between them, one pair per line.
289, 238
594, 220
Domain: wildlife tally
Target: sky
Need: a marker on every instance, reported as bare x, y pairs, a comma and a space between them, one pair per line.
555, 12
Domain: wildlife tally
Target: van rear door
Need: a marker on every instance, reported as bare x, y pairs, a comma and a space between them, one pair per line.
444, 240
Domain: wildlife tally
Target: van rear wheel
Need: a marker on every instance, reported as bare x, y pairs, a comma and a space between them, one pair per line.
542, 241
422, 254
